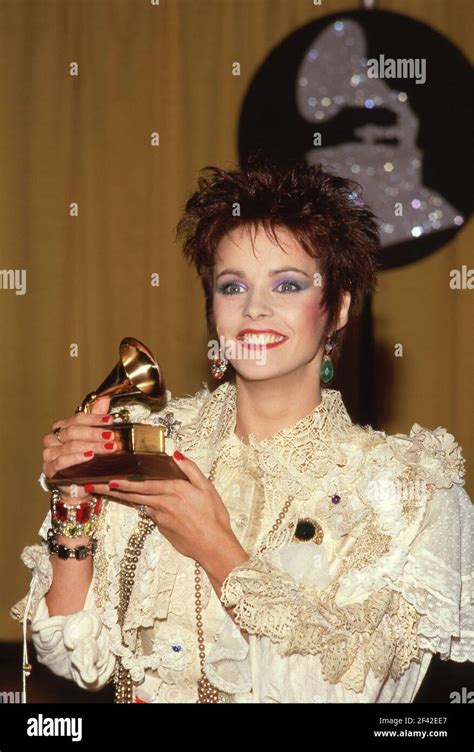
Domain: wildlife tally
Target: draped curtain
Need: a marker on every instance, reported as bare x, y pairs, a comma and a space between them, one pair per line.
86, 141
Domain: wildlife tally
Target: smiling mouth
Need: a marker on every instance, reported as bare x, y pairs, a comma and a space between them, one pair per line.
252, 339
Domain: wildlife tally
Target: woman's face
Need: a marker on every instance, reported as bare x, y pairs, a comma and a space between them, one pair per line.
275, 292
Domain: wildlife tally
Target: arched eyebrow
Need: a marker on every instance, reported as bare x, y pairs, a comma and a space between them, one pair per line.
271, 273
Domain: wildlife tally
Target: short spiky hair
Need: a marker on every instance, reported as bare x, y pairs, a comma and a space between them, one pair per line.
324, 213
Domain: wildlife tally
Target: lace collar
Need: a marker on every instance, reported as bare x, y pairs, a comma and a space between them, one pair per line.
322, 454
300, 444
325, 419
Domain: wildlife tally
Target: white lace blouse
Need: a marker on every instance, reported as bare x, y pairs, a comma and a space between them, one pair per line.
351, 615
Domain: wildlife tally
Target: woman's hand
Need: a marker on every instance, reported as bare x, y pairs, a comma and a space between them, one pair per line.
191, 515
82, 436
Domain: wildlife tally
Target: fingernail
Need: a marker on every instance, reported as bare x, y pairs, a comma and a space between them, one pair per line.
107, 418
178, 456
106, 434
89, 453
88, 487
113, 484
110, 445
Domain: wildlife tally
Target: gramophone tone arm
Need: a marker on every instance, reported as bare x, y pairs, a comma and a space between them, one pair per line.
85, 406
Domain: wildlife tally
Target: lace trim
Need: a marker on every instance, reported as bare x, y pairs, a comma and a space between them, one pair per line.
227, 666
158, 566
378, 634
435, 454
36, 558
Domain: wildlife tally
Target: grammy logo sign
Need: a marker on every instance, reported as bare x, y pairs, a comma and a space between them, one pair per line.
140, 447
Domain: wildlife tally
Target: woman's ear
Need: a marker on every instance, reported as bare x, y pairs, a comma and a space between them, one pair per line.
344, 310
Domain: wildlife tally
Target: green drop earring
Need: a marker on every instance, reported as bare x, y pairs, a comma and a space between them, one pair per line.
327, 368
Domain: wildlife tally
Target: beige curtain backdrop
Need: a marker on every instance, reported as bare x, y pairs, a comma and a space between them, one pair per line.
164, 68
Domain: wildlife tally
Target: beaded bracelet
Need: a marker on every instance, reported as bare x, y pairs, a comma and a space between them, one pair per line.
74, 520
63, 552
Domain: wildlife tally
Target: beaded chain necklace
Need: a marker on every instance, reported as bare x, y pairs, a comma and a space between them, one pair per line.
207, 693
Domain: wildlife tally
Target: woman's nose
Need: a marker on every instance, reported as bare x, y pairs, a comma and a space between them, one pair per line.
256, 304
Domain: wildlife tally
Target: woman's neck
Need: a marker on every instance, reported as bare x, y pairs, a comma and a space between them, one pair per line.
266, 407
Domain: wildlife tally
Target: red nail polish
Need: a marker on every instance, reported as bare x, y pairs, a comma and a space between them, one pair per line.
178, 456
106, 419
110, 445
113, 484
89, 453
88, 487
106, 434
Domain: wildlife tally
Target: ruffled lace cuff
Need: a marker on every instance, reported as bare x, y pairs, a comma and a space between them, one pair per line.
271, 593
76, 646
378, 633
227, 665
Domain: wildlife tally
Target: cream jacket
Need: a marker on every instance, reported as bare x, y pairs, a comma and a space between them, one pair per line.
353, 618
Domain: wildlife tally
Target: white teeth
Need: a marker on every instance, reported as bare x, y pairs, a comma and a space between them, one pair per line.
261, 339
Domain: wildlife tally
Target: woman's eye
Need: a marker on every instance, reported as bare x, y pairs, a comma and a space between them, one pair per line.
230, 288
287, 282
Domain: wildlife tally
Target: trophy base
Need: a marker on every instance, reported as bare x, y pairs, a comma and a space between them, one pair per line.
126, 465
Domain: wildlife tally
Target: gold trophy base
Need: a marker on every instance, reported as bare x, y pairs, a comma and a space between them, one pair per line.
139, 455
140, 466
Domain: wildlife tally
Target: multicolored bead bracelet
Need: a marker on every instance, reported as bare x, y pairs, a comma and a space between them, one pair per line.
74, 520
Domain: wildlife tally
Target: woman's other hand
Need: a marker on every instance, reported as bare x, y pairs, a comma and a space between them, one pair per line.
191, 515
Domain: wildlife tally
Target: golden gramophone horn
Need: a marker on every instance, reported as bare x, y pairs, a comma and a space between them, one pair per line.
140, 453
136, 373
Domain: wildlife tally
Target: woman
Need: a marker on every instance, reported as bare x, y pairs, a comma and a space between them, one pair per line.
307, 558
